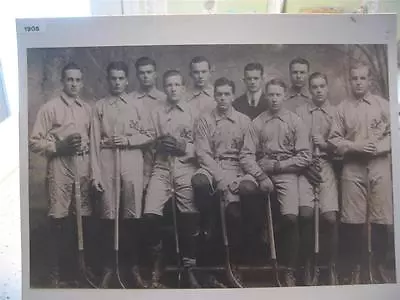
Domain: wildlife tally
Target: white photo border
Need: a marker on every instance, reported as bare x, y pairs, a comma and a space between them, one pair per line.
198, 30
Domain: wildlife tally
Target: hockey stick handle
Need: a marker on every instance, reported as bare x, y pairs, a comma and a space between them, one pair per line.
78, 202
271, 228
117, 170
317, 154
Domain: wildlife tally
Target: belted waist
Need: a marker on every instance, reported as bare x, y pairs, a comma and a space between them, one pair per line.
279, 156
232, 159
83, 152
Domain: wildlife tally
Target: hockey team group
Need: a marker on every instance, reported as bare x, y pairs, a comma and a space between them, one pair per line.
222, 159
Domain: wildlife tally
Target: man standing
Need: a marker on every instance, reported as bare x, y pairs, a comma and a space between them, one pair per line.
361, 132
318, 117
119, 122
298, 93
253, 102
201, 97
276, 145
147, 76
219, 138
61, 134
173, 169
151, 97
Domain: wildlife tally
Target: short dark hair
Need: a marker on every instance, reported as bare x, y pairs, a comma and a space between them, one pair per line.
359, 64
170, 73
317, 75
299, 60
224, 81
276, 81
144, 61
199, 59
69, 66
119, 66
254, 67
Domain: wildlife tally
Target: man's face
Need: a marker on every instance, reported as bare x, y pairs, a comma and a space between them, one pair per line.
173, 87
200, 73
224, 97
298, 75
319, 90
253, 80
275, 95
359, 81
117, 81
146, 76
72, 82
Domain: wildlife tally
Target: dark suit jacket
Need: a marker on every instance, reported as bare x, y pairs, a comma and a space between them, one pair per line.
242, 105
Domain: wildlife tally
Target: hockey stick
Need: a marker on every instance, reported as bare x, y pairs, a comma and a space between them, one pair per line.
315, 278
116, 220
369, 237
171, 166
270, 228
232, 279
84, 276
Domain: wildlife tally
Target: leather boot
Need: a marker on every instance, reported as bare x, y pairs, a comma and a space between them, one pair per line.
356, 275
137, 278
332, 276
212, 282
156, 272
290, 279
383, 274
191, 278
106, 278
308, 277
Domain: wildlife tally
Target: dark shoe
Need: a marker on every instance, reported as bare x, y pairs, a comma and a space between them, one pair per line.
356, 275
191, 278
56, 282
137, 278
308, 277
212, 282
290, 279
155, 281
384, 275
106, 278
332, 276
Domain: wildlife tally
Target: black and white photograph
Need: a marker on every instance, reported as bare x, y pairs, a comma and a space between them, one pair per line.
210, 166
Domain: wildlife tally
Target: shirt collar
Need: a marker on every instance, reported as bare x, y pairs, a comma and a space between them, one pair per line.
152, 93
69, 100
257, 97
231, 116
367, 98
281, 115
208, 90
123, 97
180, 105
303, 92
324, 107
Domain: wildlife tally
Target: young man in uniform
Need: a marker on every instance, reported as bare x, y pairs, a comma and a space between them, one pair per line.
219, 138
61, 134
276, 149
361, 132
173, 126
119, 122
201, 97
146, 73
298, 93
318, 117
253, 102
